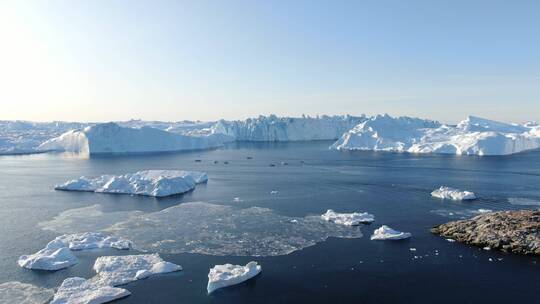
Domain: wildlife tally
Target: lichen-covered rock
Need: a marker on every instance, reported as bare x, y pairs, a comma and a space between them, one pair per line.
510, 231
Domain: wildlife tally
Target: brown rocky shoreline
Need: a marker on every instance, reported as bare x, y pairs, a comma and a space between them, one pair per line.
509, 231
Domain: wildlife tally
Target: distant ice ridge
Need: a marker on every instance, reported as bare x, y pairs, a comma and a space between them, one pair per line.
453, 194
348, 219
387, 233
57, 254
112, 138
111, 271
156, 183
221, 276
15, 292
472, 136
273, 128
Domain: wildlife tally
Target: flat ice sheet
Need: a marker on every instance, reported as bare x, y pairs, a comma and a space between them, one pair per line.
21, 293
81, 291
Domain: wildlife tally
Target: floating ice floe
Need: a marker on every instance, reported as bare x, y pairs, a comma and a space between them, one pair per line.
453, 194
484, 210
522, 201
472, 136
156, 183
226, 230
227, 275
113, 138
57, 254
348, 219
387, 233
119, 270
81, 291
21, 293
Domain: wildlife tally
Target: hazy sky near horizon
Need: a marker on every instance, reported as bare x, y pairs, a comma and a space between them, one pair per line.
173, 60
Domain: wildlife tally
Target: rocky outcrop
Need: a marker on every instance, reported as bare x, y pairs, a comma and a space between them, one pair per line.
510, 231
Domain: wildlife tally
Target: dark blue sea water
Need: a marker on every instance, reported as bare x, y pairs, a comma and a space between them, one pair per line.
394, 187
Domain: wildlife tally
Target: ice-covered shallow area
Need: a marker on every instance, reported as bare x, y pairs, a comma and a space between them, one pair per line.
386, 233
158, 183
453, 194
472, 136
112, 138
225, 275
15, 292
77, 290
348, 219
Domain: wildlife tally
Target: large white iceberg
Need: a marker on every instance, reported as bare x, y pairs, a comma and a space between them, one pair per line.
81, 291
22, 293
156, 183
387, 233
453, 194
112, 138
57, 254
273, 128
348, 219
473, 136
119, 270
227, 275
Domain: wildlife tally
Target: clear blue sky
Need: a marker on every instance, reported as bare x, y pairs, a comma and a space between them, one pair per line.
174, 60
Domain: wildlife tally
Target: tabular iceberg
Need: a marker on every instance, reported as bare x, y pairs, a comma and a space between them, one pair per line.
57, 254
472, 136
81, 291
22, 293
156, 183
387, 233
112, 138
119, 270
273, 128
227, 275
348, 219
453, 194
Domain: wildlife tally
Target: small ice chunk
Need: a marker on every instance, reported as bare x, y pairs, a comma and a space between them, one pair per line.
48, 258
453, 194
118, 270
21, 293
274, 192
237, 200
156, 183
485, 210
387, 233
412, 249
487, 248
81, 291
227, 275
347, 219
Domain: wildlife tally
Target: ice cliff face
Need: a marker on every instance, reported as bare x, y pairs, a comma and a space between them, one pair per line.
112, 138
273, 128
472, 136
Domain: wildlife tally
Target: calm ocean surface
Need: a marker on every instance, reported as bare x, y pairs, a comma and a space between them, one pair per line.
394, 187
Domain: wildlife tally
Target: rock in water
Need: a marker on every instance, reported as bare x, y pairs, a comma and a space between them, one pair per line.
510, 231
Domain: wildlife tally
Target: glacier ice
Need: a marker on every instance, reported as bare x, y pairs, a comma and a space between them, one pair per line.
120, 270
348, 219
386, 233
221, 276
472, 136
57, 253
273, 128
77, 290
156, 183
453, 194
22, 293
112, 138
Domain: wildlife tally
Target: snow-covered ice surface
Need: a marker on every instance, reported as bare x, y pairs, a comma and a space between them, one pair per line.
91, 218
156, 183
112, 138
273, 128
453, 194
21, 293
348, 219
387, 233
225, 230
119, 270
81, 291
227, 275
57, 254
472, 136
